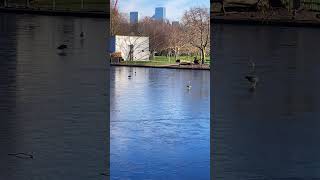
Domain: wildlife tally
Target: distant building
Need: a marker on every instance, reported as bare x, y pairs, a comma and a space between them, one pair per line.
160, 13
134, 17
296, 4
131, 48
175, 23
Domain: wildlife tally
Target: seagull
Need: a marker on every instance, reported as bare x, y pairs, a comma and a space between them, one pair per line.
62, 46
189, 85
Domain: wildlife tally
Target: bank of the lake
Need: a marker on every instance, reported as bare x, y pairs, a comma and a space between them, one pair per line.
49, 12
169, 63
168, 66
276, 18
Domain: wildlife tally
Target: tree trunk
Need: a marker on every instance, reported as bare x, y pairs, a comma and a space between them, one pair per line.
152, 55
176, 53
222, 7
203, 55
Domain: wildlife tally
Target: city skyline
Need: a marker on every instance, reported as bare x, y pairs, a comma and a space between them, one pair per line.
159, 14
174, 9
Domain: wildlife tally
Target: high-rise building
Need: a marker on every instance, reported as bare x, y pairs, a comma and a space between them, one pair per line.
175, 23
160, 13
134, 17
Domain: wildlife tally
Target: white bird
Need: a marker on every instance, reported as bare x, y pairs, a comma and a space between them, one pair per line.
252, 77
189, 85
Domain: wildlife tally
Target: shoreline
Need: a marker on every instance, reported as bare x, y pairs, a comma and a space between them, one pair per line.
272, 18
48, 12
270, 22
185, 67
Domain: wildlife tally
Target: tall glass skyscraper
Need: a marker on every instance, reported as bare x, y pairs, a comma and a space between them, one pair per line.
160, 13
134, 17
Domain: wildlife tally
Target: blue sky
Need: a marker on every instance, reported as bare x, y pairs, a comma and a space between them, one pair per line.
174, 8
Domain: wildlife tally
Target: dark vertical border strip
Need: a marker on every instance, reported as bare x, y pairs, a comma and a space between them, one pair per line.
108, 25
211, 89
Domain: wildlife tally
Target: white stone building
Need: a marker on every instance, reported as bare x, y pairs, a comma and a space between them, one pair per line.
132, 48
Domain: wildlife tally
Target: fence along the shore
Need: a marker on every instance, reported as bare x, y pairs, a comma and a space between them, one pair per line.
83, 5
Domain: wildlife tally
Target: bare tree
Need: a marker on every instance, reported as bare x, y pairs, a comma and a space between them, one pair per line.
177, 40
157, 31
119, 22
197, 27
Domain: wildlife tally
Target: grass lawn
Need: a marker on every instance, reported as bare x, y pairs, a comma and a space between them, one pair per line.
163, 60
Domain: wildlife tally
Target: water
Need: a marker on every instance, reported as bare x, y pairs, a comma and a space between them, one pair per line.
52, 105
272, 133
159, 129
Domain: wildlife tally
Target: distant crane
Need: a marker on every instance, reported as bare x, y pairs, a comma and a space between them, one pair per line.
115, 7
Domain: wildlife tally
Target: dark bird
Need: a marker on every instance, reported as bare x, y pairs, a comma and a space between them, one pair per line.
252, 78
82, 34
62, 46
129, 76
22, 155
253, 81
104, 174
